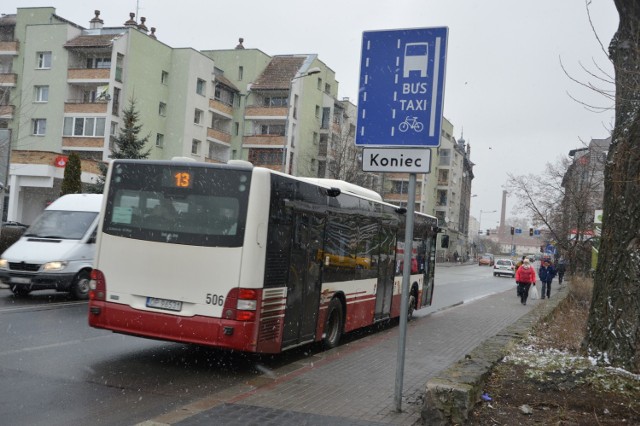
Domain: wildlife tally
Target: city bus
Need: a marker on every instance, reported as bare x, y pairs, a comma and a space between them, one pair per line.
245, 258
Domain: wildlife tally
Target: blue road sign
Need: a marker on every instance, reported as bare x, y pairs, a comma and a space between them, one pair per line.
402, 74
518, 231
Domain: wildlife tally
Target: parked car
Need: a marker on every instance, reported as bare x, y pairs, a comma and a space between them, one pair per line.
504, 267
486, 259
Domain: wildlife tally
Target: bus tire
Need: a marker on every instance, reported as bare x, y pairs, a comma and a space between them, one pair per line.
80, 286
333, 324
19, 291
411, 307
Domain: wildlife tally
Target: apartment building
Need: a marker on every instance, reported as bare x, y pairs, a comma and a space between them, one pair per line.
285, 110
65, 87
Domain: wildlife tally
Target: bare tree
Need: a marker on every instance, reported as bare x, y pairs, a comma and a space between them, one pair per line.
345, 160
613, 326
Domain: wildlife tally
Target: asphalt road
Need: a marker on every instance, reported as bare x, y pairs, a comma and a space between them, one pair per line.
56, 370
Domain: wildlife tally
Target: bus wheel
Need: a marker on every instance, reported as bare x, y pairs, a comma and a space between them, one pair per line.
411, 307
333, 324
20, 291
80, 286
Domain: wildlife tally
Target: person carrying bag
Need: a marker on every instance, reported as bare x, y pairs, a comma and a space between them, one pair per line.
525, 277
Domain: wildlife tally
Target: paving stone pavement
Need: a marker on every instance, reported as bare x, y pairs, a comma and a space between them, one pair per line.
354, 384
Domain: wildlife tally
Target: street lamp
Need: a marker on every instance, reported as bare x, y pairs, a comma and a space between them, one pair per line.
485, 211
285, 148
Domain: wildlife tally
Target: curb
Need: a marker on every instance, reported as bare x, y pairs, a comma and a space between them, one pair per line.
451, 395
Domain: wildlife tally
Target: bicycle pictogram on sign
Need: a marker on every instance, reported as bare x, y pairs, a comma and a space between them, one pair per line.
411, 123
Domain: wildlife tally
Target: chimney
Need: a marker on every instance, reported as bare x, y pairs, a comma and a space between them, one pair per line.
503, 212
96, 22
240, 46
153, 33
131, 22
142, 26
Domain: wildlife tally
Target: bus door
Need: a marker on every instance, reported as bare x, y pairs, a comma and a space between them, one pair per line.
303, 286
386, 273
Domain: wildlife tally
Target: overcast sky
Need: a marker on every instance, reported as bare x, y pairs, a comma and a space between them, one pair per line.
505, 87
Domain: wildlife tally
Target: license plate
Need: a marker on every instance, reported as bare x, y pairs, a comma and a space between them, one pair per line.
169, 305
21, 280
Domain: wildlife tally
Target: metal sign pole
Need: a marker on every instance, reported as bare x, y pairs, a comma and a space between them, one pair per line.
404, 305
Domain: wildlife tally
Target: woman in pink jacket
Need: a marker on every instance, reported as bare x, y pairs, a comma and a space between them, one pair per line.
525, 276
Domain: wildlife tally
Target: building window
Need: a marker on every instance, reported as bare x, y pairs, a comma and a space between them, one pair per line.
272, 129
115, 102
114, 128
164, 78
103, 63
327, 88
42, 94
236, 128
83, 126
39, 126
276, 101
197, 118
159, 140
441, 197
195, 147
44, 60
445, 157
319, 84
443, 176
399, 187
201, 87
240, 73
223, 95
317, 111
162, 109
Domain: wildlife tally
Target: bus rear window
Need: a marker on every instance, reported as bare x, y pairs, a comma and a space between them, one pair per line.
181, 205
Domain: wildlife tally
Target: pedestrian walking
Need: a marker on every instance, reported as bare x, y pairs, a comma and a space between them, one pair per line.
562, 267
546, 273
525, 277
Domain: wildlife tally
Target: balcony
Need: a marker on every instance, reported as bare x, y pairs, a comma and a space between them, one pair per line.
8, 79
220, 107
264, 140
88, 74
258, 112
71, 107
9, 47
218, 135
6, 111
83, 142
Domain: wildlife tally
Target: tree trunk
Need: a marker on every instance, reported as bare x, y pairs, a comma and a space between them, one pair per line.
614, 319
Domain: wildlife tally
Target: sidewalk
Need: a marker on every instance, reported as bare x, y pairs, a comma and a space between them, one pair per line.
354, 384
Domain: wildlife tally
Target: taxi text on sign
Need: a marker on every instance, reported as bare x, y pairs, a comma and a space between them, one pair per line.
401, 93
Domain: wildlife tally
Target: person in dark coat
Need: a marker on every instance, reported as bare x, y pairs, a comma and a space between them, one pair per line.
560, 269
546, 274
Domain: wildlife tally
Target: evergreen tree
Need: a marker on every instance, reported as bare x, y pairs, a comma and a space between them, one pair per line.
72, 183
127, 143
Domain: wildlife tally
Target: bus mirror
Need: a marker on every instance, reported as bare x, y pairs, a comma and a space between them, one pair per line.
333, 192
444, 242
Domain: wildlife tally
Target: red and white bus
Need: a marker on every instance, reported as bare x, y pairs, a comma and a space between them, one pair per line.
245, 258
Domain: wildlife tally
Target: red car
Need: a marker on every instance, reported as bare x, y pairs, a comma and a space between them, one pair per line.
486, 259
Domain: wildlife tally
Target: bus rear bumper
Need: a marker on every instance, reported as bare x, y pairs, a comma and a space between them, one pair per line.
200, 330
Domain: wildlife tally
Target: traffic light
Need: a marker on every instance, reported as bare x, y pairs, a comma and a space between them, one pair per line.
531, 232
488, 232
513, 230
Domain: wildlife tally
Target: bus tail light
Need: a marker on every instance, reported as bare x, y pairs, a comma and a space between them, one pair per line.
246, 304
97, 286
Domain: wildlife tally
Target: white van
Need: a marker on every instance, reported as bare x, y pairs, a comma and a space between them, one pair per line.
57, 250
